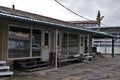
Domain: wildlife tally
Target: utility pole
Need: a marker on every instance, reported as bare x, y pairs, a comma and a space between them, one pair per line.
99, 18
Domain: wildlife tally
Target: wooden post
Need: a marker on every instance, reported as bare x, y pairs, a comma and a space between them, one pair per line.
0, 42
88, 44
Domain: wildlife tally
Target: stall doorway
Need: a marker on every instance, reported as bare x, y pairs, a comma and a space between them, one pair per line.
0, 42
82, 44
45, 45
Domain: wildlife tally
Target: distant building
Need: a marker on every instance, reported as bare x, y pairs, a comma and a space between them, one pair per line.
103, 45
85, 24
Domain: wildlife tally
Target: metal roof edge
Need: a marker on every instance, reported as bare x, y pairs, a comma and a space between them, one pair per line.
8, 15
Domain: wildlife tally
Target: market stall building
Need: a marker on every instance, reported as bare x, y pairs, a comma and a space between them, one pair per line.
28, 36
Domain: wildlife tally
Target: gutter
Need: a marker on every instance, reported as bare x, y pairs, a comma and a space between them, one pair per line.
4, 14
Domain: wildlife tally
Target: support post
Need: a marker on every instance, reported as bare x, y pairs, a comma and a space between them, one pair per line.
56, 48
88, 45
105, 45
112, 48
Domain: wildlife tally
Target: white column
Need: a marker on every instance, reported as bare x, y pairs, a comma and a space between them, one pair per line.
56, 48
31, 41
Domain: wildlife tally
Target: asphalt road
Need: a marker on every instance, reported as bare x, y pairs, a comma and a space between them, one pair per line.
106, 68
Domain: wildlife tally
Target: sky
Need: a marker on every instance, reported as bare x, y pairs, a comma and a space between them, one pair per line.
110, 9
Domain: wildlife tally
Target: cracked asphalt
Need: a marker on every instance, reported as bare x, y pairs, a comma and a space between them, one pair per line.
106, 68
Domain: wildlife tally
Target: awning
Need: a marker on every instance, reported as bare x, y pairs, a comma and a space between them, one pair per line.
4, 14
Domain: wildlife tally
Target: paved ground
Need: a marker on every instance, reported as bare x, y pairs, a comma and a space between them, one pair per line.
101, 69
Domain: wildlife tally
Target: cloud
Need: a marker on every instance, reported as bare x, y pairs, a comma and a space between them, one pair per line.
88, 8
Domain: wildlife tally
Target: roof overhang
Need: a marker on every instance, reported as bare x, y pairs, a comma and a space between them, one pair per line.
56, 25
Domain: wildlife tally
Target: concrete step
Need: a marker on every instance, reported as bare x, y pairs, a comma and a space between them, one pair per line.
6, 73
2, 62
4, 67
36, 69
38, 65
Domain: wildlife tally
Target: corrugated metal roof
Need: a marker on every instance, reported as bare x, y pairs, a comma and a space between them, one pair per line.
57, 25
32, 15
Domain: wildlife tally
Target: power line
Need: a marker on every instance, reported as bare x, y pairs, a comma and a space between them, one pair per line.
72, 11
104, 24
75, 12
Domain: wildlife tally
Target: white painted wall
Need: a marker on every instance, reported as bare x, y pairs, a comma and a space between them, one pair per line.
108, 50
